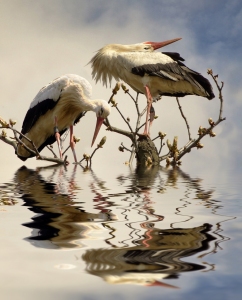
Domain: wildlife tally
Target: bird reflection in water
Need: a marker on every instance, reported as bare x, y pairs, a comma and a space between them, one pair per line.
138, 250
147, 266
60, 218
157, 253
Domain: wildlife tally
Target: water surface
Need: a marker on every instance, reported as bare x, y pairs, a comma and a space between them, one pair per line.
69, 233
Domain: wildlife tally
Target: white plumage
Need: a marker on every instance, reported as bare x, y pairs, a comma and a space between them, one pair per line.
148, 72
54, 88
57, 107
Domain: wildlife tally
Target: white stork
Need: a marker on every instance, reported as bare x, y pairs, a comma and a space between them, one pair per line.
57, 107
148, 72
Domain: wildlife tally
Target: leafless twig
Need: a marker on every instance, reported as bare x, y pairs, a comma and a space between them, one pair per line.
14, 143
202, 132
188, 127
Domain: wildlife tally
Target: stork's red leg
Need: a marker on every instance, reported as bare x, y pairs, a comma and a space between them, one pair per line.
57, 137
72, 143
149, 104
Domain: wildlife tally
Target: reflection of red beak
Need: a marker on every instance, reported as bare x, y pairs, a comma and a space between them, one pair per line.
98, 126
159, 283
162, 44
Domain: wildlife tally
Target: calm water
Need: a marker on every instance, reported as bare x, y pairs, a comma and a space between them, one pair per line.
134, 234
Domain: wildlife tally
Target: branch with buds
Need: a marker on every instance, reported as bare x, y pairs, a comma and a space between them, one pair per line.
202, 131
174, 154
132, 134
14, 141
88, 158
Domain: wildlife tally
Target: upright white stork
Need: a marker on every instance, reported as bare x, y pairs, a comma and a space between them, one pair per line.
148, 72
57, 107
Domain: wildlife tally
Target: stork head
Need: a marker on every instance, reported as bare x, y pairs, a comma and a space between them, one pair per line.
102, 110
151, 46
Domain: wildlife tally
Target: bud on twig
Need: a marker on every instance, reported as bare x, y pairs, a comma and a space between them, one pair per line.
128, 119
201, 130
113, 101
175, 143
102, 142
121, 149
124, 88
3, 123
76, 140
211, 122
169, 145
210, 71
199, 145
116, 88
86, 156
161, 134
4, 133
212, 134
12, 122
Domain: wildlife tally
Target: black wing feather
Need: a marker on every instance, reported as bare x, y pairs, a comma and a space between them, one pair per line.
35, 112
175, 71
174, 55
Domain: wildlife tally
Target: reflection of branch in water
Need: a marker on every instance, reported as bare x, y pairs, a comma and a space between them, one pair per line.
142, 182
206, 201
223, 238
138, 214
137, 196
65, 224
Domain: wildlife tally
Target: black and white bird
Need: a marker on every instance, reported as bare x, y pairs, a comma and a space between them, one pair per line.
151, 73
56, 108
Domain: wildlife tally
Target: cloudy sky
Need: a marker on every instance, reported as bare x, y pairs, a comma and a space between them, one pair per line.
41, 40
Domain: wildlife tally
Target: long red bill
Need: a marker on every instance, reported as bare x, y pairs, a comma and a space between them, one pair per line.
162, 284
98, 126
157, 45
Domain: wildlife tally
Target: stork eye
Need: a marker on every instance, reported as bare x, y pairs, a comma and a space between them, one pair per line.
147, 48
101, 111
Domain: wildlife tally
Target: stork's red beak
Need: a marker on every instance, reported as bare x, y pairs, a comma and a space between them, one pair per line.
98, 126
162, 44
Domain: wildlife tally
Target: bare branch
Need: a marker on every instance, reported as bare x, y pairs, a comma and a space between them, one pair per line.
52, 151
118, 130
220, 88
53, 159
100, 145
188, 127
34, 152
125, 148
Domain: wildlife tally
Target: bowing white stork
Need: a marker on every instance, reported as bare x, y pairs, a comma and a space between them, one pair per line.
148, 72
56, 108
